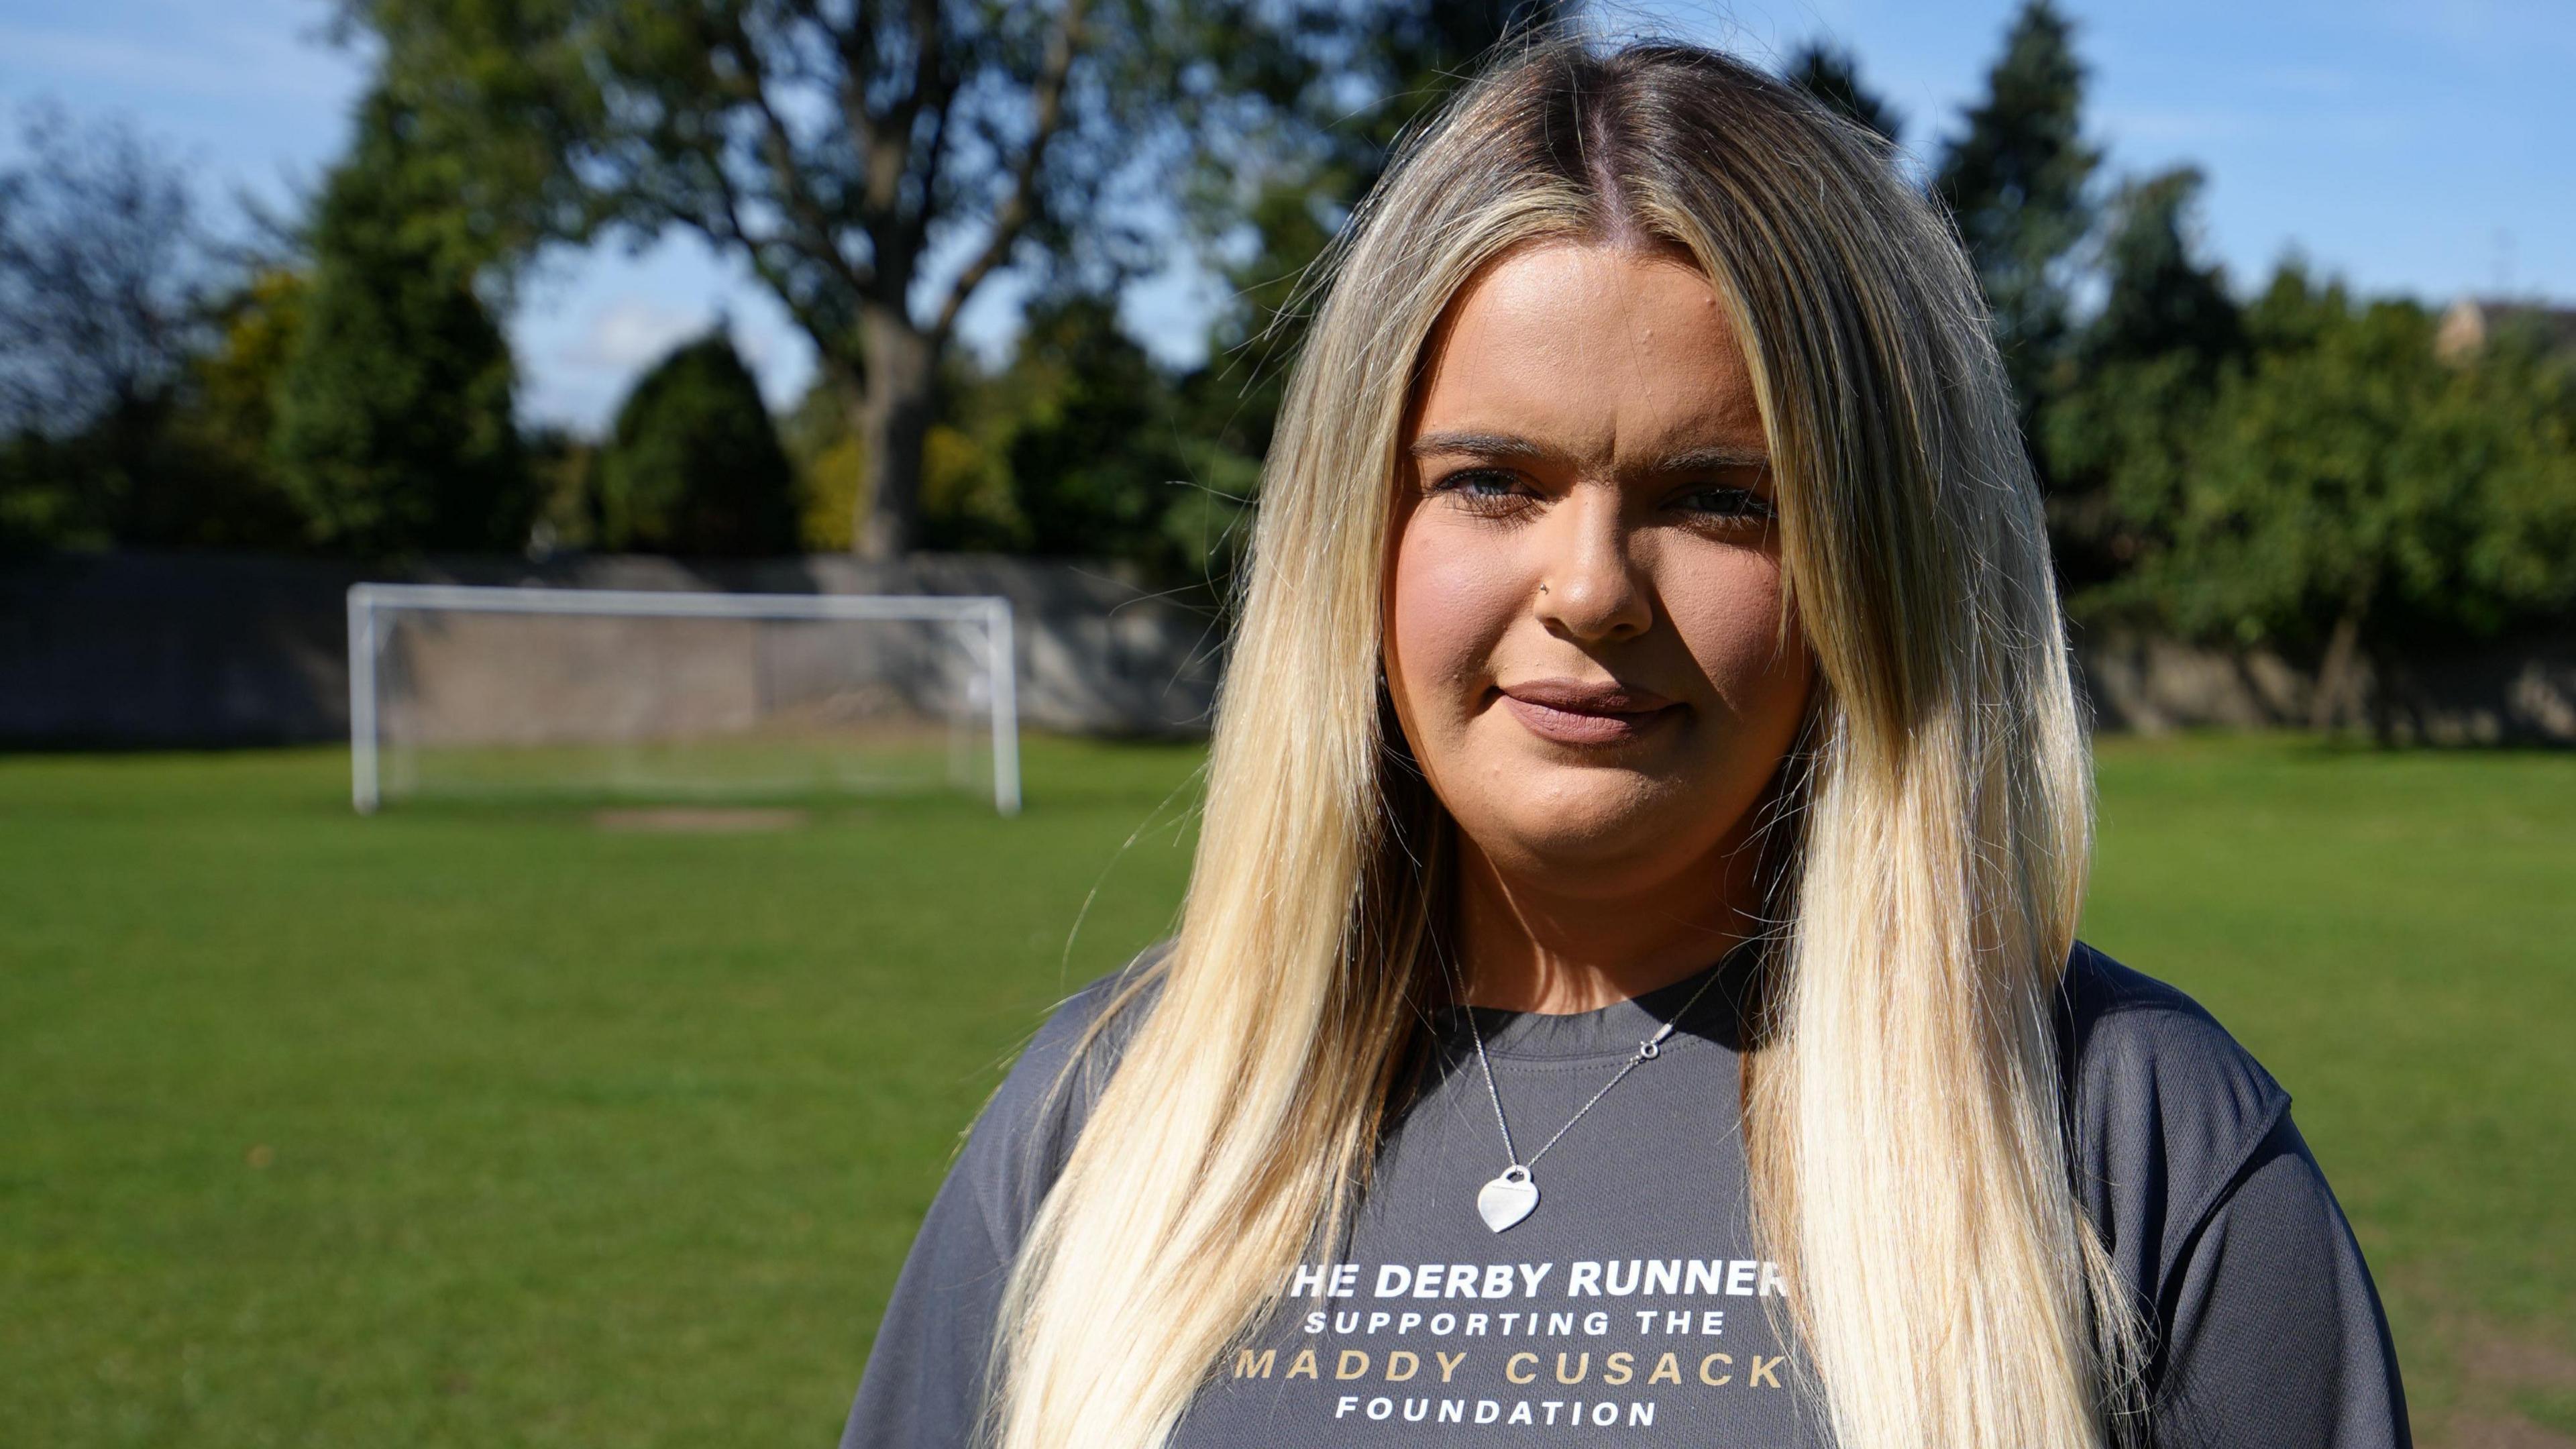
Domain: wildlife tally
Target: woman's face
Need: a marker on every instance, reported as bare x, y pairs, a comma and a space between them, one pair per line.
1584, 590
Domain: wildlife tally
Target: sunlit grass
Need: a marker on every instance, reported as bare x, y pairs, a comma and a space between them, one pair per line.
482, 1125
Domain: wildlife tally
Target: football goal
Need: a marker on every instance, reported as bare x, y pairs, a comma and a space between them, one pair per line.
676, 696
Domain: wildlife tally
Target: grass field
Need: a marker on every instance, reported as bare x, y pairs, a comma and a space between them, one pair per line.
494, 1126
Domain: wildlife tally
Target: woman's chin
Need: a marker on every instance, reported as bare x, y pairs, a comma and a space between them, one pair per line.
1564, 844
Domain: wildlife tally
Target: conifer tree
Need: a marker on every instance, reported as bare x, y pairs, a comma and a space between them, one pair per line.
694, 465
1831, 73
394, 411
2017, 179
2117, 435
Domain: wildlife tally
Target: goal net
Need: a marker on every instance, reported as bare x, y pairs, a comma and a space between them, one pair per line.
459, 691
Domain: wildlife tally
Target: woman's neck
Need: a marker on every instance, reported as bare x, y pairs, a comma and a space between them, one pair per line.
1530, 944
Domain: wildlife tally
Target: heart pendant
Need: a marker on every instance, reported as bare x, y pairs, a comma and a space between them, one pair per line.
1508, 1198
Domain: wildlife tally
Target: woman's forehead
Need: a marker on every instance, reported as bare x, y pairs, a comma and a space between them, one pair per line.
1604, 355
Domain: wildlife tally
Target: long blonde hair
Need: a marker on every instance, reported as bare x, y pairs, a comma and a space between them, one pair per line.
1903, 1123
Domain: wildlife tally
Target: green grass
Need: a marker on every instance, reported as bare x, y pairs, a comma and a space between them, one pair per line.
478, 1125
2391, 934
569, 1136
786, 766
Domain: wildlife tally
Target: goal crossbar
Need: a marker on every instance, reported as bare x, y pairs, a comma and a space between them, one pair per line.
369, 604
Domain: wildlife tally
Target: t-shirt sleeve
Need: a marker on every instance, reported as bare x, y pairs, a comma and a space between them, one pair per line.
924, 1383
924, 1378
2277, 1338
2265, 1331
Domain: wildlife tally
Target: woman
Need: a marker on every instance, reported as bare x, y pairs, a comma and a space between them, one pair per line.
1627, 989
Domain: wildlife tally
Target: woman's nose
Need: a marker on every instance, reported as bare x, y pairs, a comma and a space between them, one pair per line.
1589, 586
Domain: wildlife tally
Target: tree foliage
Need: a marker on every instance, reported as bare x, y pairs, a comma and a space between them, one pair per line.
104, 275
1316, 126
831, 471
2016, 178
1831, 73
1093, 460
394, 424
2116, 431
2345, 489
835, 149
694, 465
132, 362
1072, 447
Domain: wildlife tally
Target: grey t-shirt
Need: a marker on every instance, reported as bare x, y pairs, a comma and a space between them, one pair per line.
1632, 1307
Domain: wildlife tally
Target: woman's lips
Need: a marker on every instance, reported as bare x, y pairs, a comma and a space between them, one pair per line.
1578, 727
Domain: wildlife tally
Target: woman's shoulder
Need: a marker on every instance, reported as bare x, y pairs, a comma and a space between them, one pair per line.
1024, 1134
1030, 1088
2137, 1045
2165, 1107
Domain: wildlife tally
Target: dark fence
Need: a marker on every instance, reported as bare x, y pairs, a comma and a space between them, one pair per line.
136, 650
191, 650
2519, 690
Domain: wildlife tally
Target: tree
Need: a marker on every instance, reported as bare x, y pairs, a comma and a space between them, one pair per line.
2117, 434
831, 474
1092, 458
216, 482
231, 388
1080, 443
563, 467
694, 464
2161, 296
2016, 180
394, 412
103, 275
132, 366
2349, 489
1315, 128
1831, 73
875, 165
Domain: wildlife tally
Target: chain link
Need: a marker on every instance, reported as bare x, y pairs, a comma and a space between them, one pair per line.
1647, 1051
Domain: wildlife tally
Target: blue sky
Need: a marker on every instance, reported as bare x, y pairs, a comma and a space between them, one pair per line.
2417, 146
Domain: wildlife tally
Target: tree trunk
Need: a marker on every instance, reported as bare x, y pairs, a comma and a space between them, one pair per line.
2337, 675
894, 421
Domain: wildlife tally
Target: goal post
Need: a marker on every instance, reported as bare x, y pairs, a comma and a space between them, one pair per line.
648, 692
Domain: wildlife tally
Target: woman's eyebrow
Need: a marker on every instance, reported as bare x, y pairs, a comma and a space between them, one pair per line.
1716, 457
1487, 445
1710, 458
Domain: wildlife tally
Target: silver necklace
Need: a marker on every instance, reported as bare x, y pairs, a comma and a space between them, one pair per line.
1513, 1193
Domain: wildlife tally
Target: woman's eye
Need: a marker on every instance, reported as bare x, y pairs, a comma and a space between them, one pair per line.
1730, 503
1481, 489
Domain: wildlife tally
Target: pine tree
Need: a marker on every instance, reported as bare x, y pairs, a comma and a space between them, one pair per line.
2017, 180
1091, 462
694, 465
2118, 436
394, 417
1831, 73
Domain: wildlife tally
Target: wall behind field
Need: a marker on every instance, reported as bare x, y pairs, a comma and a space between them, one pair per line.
179, 650
2519, 690
141, 650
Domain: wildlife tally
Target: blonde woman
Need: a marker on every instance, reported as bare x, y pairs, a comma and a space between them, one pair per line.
1627, 989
